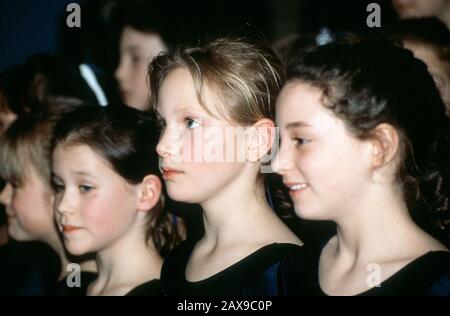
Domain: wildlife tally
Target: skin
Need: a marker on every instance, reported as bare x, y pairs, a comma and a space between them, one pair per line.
231, 233
350, 182
137, 49
407, 9
98, 211
29, 207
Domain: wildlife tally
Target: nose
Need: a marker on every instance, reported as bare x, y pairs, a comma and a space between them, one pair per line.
6, 194
168, 145
62, 204
282, 162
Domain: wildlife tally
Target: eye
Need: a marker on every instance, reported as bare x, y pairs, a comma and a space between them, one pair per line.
300, 141
161, 124
57, 187
86, 188
192, 123
135, 59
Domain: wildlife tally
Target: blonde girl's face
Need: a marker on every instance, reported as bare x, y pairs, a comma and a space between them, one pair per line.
326, 169
137, 49
29, 207
94, 207
198, 151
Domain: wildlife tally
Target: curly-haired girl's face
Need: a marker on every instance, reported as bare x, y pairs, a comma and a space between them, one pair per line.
326, 169
95, 208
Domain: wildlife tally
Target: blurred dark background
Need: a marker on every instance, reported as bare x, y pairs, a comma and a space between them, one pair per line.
28, 27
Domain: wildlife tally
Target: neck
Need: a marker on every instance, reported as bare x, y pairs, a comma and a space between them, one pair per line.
58, 247
225, 222
375, 226
127, 263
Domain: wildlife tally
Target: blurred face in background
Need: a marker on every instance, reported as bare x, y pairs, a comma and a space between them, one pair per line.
419, 8
137, 49
29, 208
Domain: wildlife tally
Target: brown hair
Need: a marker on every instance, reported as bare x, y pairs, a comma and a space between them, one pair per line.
27, 143
126, 138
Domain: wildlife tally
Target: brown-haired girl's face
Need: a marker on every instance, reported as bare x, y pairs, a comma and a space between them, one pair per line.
94, 206
325, 168
137, 49
29, 207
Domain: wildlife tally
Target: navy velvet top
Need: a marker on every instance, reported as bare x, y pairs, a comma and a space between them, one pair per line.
255, 275
428, 275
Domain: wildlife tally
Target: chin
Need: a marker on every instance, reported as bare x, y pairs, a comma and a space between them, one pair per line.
17, 234
309, 214
76, 250
183, 196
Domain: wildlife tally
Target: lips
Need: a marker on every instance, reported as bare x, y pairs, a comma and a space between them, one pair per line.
295, 189
66, 229
169, 173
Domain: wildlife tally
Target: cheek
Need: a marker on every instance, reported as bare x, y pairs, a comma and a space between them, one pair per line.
34, 212
332, 169
106, 214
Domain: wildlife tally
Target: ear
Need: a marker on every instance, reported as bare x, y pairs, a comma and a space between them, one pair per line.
386, 141
149, 192
260, 139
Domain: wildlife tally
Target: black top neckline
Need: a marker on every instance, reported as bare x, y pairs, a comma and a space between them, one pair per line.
233, 266
391, 279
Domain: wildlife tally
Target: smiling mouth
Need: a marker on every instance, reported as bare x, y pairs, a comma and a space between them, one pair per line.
296, 188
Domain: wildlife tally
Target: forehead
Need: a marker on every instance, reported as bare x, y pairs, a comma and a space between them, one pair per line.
135, 40
77, 156
178, 93
299, 99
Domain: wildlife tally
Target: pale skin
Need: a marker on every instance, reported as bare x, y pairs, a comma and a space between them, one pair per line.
237, 218
29, 208
137, 49
408, 9
359, 192
110, 215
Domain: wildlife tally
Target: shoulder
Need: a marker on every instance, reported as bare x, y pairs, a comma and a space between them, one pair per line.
263, 268
426, 275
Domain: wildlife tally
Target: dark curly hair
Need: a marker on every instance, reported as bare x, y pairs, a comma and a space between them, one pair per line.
369, 82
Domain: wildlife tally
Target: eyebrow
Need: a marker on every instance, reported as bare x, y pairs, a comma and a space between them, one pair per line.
297, 124
183, 110
84, 173
133, 48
